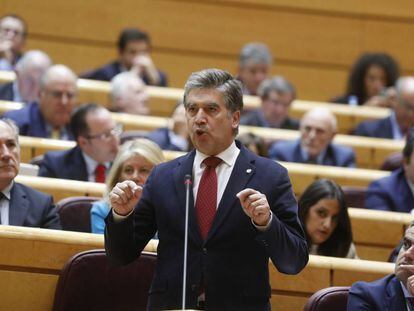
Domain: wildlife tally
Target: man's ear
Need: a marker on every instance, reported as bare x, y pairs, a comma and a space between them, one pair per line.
235, 119
82, 141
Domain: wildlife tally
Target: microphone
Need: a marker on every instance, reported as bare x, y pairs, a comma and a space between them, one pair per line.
187, 183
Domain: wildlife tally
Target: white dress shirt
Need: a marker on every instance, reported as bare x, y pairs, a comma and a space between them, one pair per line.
5, 204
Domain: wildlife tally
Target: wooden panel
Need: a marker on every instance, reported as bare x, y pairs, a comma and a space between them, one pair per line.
27, 291
374, 252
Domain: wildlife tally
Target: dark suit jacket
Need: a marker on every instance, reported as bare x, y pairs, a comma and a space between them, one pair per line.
254, 118
162, 138
67, 164
108, 71
378, 128
391, 193
384, 294
234, 258
6, 91
30, 121
31, 208
289, 151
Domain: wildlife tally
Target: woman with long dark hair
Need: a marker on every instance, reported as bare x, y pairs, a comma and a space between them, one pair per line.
324, 216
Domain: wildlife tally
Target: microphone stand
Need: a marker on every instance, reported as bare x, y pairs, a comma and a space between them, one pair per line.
187, 182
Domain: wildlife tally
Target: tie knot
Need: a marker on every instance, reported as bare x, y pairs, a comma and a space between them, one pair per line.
100, 168
212, 161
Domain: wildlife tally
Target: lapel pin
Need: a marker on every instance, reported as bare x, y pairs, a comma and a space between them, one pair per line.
249, 170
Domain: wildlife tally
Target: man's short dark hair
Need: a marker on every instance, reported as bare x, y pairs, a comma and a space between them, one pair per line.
78, 123
20, 19
132, 34
409, 143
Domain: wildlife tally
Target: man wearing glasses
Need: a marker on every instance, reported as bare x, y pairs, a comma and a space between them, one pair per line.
49, 118
13, 33
97, 137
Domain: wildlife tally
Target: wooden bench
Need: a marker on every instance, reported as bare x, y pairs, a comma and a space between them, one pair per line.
163, 100
370, 152
31, 259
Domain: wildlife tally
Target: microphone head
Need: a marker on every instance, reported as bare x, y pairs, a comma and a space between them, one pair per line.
187, 179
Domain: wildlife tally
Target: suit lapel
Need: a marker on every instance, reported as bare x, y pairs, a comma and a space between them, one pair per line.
395, 299
242, 172
18, 206
184, 167
297, 154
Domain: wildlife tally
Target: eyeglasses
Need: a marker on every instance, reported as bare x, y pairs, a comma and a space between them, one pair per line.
115, 132
5, 30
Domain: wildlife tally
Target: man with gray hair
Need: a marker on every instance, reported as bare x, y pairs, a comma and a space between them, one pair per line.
50, 116
277, 95
242, 211
26, 87
401, 119
129, 94
20, 205
317, 130
255, 61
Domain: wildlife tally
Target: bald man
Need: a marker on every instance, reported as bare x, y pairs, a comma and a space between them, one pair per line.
50, 116
317, 130
28, 70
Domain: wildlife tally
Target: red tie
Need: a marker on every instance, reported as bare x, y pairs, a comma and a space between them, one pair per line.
100, 173
206, 203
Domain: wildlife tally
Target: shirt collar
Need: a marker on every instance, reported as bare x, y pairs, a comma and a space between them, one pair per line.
405, 291
228, 156
7, 190
396, 131
91, 164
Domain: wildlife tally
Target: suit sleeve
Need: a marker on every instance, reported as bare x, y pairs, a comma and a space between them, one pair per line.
285, 239
350, 159
377, 197
50, 219
362, 130
46, 168
125, 240
358, 298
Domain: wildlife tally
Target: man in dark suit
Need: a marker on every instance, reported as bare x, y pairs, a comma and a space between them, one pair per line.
13, 33
49, 118
401, 119
392, 293
276, 95
134, 47
26, 87
242, 211
97, 137
19, 204
317, 130
395, 192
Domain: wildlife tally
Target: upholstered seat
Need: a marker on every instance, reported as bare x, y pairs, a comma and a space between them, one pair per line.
328, 299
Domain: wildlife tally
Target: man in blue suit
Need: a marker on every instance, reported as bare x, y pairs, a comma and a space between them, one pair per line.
317, 130
401, 119
97, 137
49, 118
19, 204
134, 47
392, 293
395, 192
242, 211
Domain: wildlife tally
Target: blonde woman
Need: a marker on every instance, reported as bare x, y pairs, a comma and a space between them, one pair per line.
134, 161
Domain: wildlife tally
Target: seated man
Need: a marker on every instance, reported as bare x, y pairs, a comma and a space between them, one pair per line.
175, 136
20, 205
277, 95
255, 61
97, 137
401, 119
317, 130
395, 192
128, 94
134, 47
13, 33
49, 118
26, 87
393, 292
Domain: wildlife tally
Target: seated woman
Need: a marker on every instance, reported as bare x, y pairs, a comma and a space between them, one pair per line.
324, 217
370, 81
134, 161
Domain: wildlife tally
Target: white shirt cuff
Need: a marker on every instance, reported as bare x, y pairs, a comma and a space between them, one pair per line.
265, 227
118, 218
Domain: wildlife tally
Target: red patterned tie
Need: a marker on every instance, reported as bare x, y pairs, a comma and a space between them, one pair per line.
100, 173
206, 203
